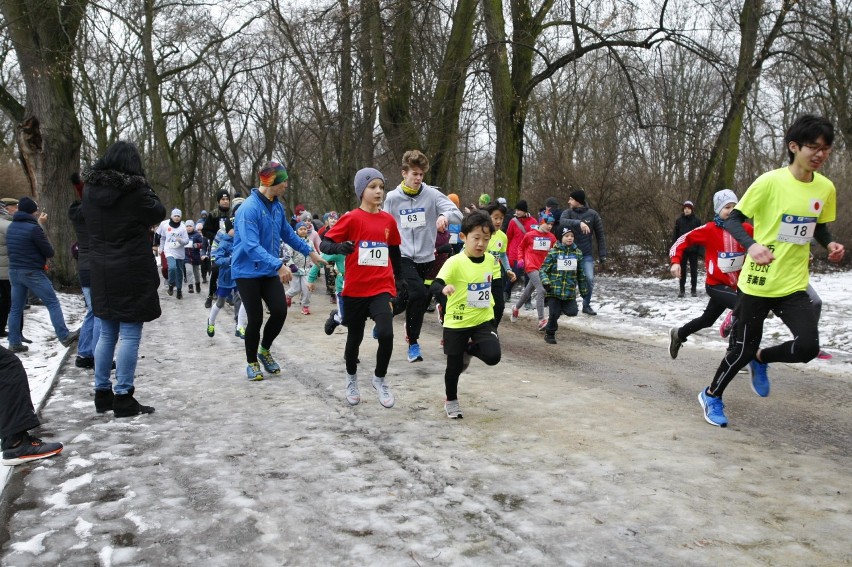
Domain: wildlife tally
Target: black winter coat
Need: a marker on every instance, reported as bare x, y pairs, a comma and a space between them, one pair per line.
684, 224
119, 209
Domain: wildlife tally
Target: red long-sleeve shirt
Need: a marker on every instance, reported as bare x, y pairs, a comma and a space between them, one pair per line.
534, 248
723, 255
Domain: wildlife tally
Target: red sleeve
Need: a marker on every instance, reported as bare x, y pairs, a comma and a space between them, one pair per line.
697, 236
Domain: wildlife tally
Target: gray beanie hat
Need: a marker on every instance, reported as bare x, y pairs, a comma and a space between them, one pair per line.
722, 198
363, 178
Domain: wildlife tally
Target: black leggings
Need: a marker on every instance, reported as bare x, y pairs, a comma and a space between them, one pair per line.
214, 275
17, 414
254, 293
721, 297
795, 310
481, 342
418, 296
356, 311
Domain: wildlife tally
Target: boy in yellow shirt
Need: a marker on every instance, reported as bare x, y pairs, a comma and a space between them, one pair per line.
466, 280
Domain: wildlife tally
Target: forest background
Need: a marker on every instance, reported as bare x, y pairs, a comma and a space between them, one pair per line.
642, 103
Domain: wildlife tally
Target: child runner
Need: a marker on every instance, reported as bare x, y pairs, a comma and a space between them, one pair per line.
339, 263
466, 279
560, 278
192, 257
723, 259
531, 253
370, 240
789, 207
226, 286
173, 238
300, 265
497, 246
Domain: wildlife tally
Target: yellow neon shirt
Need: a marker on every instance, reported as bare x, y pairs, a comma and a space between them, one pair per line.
472, 303
785, 213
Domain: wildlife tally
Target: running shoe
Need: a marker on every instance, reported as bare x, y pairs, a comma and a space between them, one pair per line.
727, 325
824, 355
240, 332
385, 395
550, 339
587, 309
453, 409
253, 372
268, 363
211, 330
541, 325
515, 314
353, 395
306, 310
30, 449
675, 343
759, 379
330, 323
714, 409
414, 354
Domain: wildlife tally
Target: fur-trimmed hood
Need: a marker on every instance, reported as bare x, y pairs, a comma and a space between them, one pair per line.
105, 186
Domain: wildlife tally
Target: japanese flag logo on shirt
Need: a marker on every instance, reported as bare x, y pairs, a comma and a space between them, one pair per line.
816, 206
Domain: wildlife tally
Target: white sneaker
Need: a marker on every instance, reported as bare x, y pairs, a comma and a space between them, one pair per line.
353, 395
453, 409
385, 396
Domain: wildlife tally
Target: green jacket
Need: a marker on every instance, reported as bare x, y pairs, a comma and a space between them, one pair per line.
562, 284
339, 261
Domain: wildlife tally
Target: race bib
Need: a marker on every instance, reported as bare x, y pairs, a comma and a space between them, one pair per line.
730, 261
796, 230
541, 244
454, 229
412, 218
372, 253
479, 295
566, 263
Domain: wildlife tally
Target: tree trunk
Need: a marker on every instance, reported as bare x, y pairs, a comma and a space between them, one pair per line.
49, 135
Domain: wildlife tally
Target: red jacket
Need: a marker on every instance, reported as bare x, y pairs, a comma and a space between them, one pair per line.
722, 254
534, 255
514, 235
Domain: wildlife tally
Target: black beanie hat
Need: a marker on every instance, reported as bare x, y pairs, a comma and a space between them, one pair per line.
522, 206
222, 193
579, 195
27, 205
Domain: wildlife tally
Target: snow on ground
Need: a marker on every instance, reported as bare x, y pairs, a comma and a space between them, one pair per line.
630, 307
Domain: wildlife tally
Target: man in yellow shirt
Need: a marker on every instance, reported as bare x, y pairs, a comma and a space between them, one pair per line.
789, 206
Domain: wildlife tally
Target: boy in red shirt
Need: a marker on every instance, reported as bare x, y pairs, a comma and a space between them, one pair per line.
531, 254
370, 240
723, 258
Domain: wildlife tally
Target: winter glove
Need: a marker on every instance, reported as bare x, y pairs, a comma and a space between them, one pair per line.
344, 248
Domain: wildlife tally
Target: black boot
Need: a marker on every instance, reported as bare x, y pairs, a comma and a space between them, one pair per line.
103, 400
179, 294
171, 289
198, 288
125, 405
208, 302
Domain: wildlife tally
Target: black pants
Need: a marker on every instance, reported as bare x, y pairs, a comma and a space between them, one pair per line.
5, 302
481, 342
356, 311
205, 268
17, 414
690, 257
214, 275
255, 292
557, 307
499, 299
721, 297
797, 313
418, 296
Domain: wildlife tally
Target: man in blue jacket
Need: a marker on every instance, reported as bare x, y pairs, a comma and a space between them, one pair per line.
29, 250
259, 227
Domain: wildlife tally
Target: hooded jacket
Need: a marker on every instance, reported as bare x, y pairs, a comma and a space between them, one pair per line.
418, 243
27, 243
572, 218
119, 210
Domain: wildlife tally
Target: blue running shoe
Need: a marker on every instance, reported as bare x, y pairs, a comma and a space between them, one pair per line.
269, 363
253, 372
414, 353
759, 379
375, 333
714, 409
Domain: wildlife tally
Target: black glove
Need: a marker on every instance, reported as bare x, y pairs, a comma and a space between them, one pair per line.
546, 286
331, 247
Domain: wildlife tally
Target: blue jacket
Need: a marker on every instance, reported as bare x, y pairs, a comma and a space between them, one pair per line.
28, 246
259, 228
222, 257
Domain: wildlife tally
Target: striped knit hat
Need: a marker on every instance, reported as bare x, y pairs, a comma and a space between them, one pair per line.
272, 173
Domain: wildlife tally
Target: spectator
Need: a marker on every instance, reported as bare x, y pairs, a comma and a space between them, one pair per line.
585, 223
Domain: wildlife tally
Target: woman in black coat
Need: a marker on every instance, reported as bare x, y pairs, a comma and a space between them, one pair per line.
119, 206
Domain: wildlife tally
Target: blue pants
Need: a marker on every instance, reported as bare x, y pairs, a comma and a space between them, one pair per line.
125, 361
175, 272
37, 282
